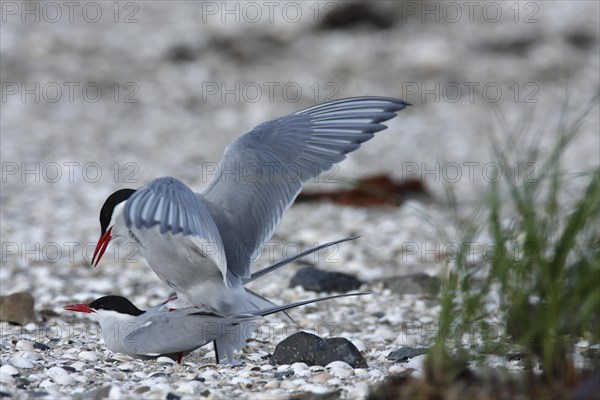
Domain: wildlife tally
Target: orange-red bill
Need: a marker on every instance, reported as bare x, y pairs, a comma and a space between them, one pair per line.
101, 246
80, 308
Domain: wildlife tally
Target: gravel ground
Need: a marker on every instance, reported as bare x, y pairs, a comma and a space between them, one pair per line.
160, 88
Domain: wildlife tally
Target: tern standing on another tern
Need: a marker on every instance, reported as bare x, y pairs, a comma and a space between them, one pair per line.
201, 244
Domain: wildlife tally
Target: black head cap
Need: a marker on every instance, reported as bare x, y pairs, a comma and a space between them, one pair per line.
116, 303
109, 206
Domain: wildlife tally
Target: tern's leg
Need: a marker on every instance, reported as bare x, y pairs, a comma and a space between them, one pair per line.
216, 351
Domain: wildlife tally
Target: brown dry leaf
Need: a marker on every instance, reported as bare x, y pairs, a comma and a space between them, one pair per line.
373, 191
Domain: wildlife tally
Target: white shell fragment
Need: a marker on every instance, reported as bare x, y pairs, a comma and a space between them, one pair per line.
88, 356
9, 370
21, 363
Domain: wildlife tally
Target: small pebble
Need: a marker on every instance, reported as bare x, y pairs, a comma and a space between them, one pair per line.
341, 372
288, 385
188, 387
283, 367
165, 360
316, 389
396, 369
114, 392
41, 346
25, 345
126, 367
359, 345
78, 365
272, 385
47, 384
334, 382
57, 371
241, 381
338, 364
64, 380
122, 357
141, 389
321, 378
139, 375
88, 356
6, 378
9, 370
299, 366
28, 355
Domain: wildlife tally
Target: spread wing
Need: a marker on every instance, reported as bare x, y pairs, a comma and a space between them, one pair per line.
181, 330
262, 172
173, 208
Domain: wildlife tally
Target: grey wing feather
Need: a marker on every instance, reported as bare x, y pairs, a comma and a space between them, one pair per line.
262, 172
179, 331
175, 208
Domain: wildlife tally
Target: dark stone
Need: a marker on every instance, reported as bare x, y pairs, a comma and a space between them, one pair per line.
68, 368
181, 53
5, 394
592, 353
349, 15
173, 396
333, 395
41, 346
518, 47
40, 394
318, 280
205, 393
341, 349
405, 353
47, 313
22, 383
413, 284
284, 374
313, 350
17, 308
581, 39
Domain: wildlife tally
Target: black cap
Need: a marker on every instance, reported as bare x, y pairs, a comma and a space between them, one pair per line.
109, 206
116, 303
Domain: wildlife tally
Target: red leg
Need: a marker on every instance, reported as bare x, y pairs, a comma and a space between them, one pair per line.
179, 357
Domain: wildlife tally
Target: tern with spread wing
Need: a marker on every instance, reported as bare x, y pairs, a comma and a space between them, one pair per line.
202, 244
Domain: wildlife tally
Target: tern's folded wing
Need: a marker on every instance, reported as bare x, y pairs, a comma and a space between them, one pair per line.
180, 331
173, 208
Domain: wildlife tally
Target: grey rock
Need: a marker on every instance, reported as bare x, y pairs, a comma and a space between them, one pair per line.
17, 308
313, 350
419, 283
96, 394
318, 280
284, 374
405, 353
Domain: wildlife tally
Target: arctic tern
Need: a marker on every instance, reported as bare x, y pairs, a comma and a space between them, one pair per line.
202, 244
162, 331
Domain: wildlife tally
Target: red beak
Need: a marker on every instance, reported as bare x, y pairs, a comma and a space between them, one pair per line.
101, 246
80, 308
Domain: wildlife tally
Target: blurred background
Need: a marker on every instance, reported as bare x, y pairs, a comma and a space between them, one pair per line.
98, 96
